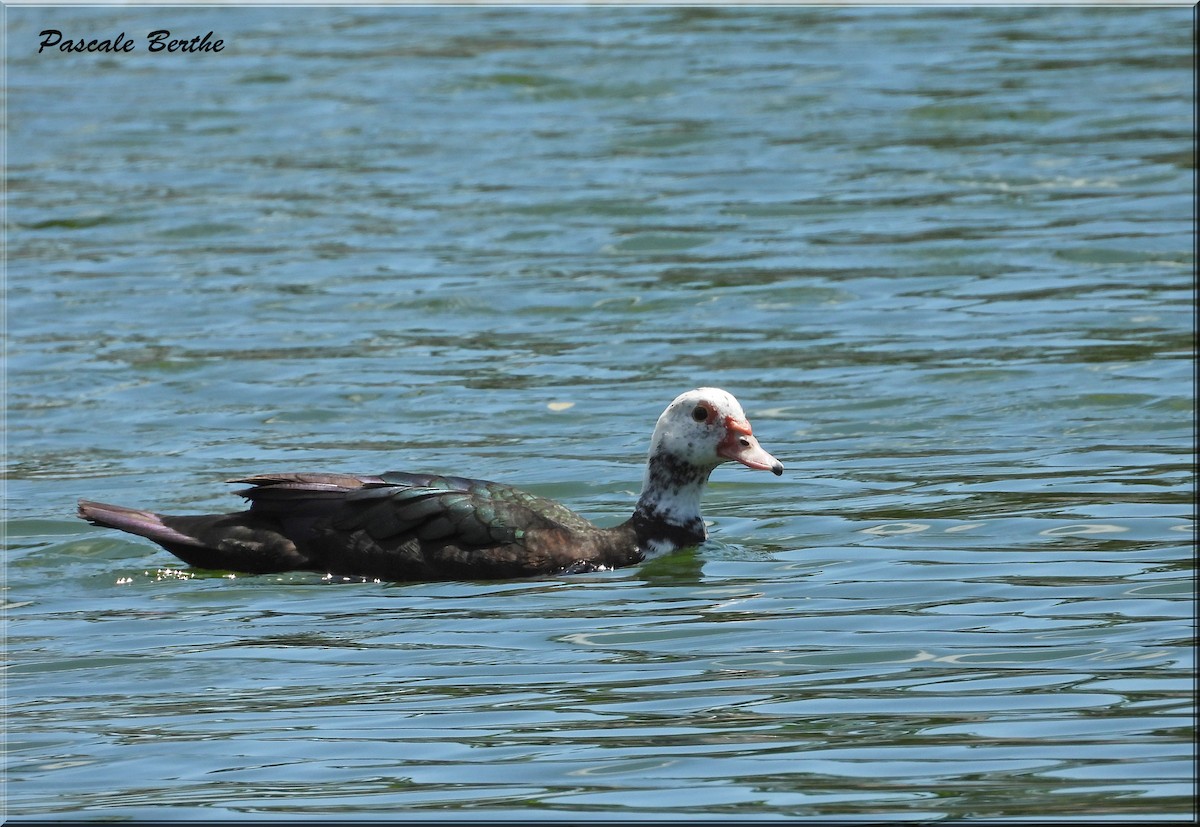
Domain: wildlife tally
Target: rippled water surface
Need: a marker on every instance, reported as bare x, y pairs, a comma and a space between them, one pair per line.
944, 256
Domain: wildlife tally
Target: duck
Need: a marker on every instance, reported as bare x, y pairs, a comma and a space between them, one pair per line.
403, 526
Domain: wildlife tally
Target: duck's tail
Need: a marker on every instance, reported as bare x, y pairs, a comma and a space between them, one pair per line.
234, 542
143, 523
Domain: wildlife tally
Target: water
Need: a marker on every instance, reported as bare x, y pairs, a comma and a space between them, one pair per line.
944, 257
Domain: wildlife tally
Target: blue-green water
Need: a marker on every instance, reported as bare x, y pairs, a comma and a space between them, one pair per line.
943, 256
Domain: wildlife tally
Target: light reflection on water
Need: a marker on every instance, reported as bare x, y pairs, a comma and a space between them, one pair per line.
944, 257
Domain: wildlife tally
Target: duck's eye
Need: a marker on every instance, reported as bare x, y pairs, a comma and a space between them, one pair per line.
700, 413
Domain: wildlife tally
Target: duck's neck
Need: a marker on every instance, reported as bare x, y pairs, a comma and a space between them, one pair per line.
667, 515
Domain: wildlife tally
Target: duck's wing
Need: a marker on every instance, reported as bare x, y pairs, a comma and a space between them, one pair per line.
427, 506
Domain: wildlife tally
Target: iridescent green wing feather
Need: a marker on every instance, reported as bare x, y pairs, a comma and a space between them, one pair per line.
451, 509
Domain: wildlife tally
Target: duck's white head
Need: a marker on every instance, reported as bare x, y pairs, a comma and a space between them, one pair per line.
706, 427
697, 432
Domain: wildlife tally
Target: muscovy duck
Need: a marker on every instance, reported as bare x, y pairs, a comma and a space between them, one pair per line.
403, 526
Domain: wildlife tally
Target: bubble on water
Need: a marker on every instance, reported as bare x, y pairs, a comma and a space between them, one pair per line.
964, 527
1081, 529
896, 528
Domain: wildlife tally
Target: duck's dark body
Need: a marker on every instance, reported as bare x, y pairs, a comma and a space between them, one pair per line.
396, 526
